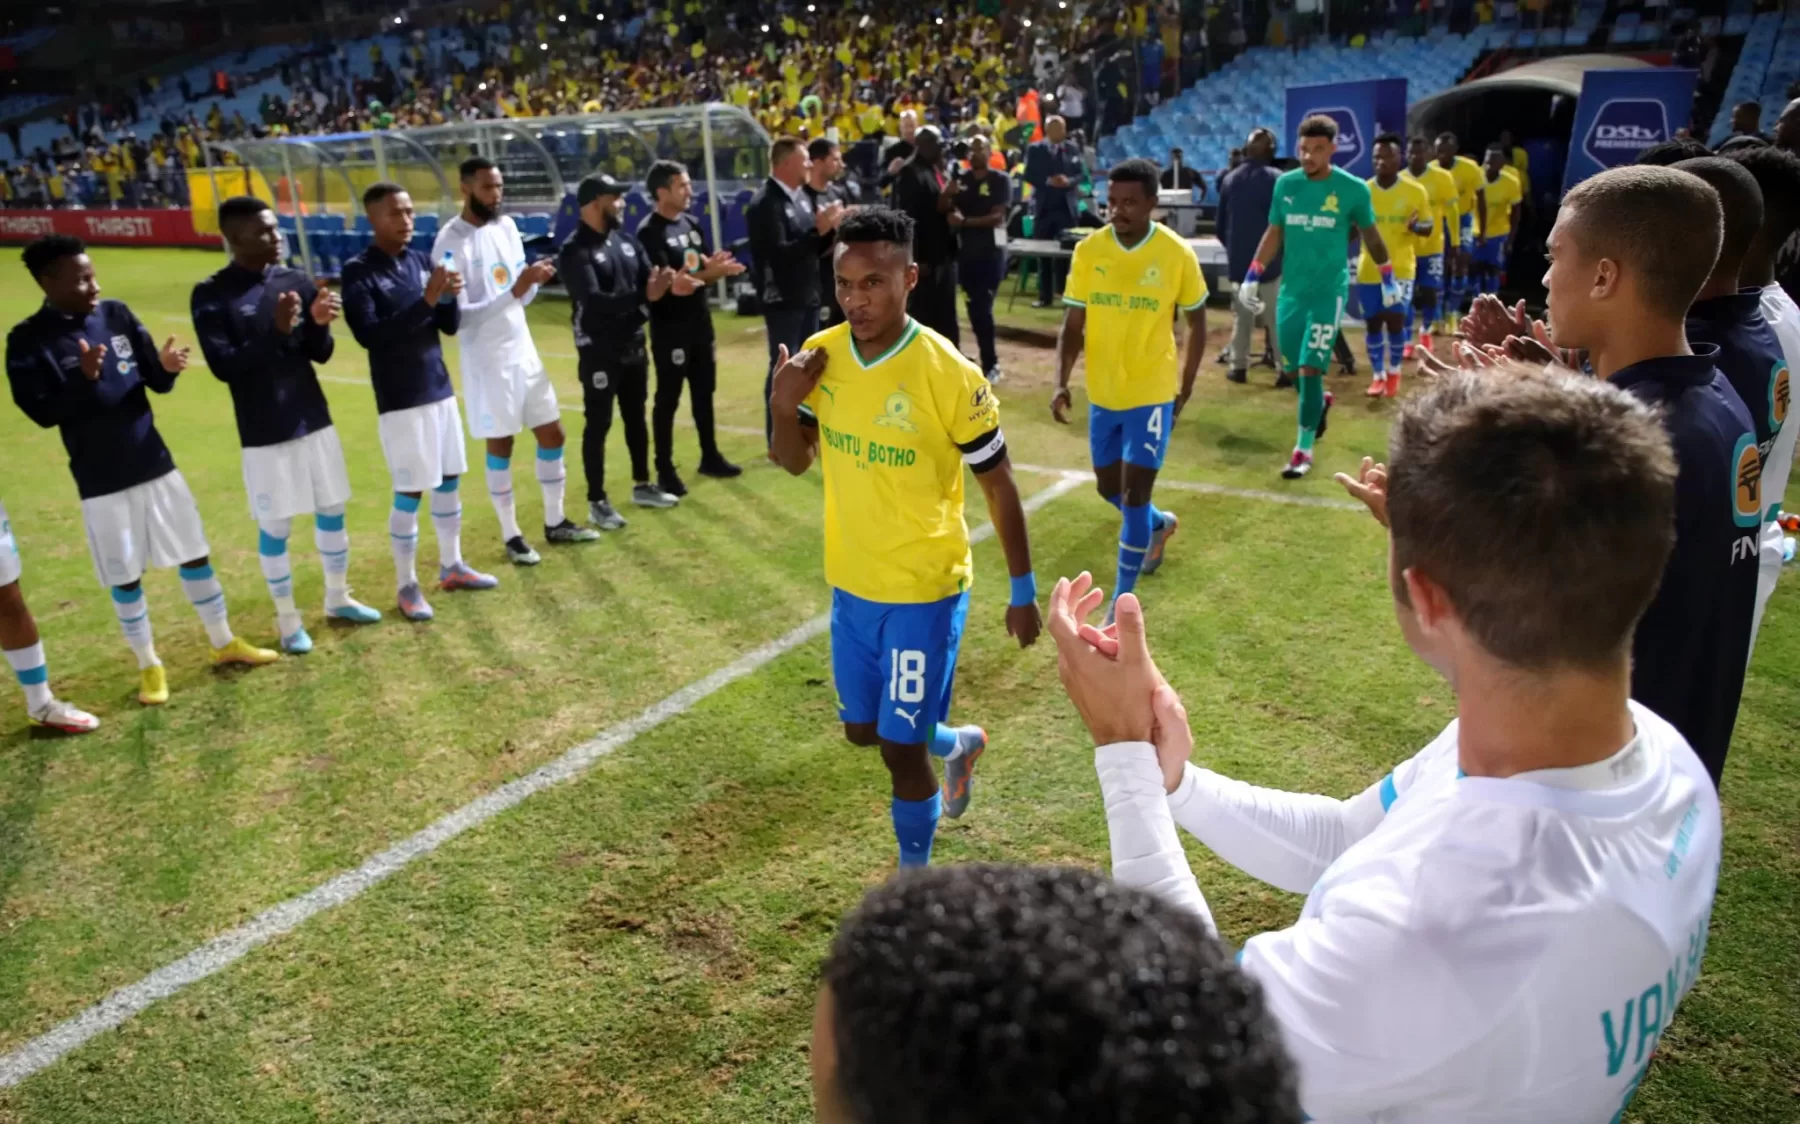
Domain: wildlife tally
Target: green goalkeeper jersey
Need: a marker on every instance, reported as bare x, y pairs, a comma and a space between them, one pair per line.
1316, 218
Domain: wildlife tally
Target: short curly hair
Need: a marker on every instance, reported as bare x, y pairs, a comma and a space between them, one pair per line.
45, 252
989, 994
877, 224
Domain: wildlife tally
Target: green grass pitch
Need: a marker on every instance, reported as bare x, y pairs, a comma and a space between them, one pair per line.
641, 944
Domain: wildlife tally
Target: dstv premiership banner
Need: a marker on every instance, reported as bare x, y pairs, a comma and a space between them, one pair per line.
1623, 112
1363, 110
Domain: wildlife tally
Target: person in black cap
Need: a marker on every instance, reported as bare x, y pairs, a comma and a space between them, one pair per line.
612, 283
681, 328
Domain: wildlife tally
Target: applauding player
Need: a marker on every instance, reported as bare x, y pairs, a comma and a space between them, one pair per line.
262, 326
82, 364
894, 412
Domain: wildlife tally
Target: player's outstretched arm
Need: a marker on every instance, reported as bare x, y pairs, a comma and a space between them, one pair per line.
1023, 620
795, 444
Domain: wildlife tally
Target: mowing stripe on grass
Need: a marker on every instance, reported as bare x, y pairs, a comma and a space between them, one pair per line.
1213, 489
279, 920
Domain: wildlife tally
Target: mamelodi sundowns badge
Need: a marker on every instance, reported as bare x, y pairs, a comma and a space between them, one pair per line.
1746, 472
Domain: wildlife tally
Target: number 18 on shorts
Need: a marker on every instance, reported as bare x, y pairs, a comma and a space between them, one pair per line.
893, 664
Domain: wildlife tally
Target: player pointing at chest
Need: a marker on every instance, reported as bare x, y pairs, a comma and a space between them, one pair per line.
1126, 285
1311, 215
893, 412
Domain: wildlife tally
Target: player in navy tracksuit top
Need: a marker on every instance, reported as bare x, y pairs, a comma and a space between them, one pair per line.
262, 326
399, 306
84, 366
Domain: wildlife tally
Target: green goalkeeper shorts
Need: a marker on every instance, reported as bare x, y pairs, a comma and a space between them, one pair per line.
1306, 327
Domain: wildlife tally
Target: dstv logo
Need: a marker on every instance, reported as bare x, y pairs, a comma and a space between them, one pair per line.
1349, 145
1623, 128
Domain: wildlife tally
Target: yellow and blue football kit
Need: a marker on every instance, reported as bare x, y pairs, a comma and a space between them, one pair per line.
1396, 209
1446, 228
1504, 191
1470, 180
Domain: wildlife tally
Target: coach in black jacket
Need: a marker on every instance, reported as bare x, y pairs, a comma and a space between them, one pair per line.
786, 232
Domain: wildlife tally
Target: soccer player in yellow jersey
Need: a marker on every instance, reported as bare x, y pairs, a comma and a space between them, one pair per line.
1471, 205
1402, 214
1446, 224
893, 412
1126, 284
1502, 192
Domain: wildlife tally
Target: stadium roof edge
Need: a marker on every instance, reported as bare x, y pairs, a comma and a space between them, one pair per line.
1560, 75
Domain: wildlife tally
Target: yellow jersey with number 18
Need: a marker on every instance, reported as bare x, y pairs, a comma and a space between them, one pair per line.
1395, 208
894, 433
1132, 294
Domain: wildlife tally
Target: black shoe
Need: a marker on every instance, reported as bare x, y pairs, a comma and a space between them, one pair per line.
671, 483
1284, 381
720, 469
1236, 374
1224, 357
1267, 360
1324, 415
1347, 368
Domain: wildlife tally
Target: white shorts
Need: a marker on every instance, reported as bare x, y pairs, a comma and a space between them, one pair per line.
504, 400
423, 444
10, 567
1768, 568
297, 477
152, 524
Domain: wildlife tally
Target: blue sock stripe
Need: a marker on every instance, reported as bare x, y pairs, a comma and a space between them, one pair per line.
943, 740
544, 454
405, 503
134, 620
269, 546
323, 553
498, 495
197, 573
32, 676
123, 596
219, 596
447, 514
402, 538
449, 485
498, 464
328, 522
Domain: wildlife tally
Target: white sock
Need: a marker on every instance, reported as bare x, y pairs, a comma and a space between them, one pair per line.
500, 490
133, 610
403, 533
272, 552
207, 597
551, 474
33, 672
334, 554
446, 519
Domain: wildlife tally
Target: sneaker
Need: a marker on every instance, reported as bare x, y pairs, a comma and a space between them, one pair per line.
59, 715
461, 575
1325, 414
671, 483
959, 771
569, 531
602, 515
994, 374
1393, 384
241, 651
1377, 386
1237, 374
153, 685
413, 605
519, 552
1424, 341
1284, 381
1298, 465
1406, 352
649, 495
1224, 357
297, 643
353, 611
1153, 558
720, 469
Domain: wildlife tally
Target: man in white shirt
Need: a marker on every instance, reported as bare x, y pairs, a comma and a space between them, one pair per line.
505, 386
1777, 173
1501, 928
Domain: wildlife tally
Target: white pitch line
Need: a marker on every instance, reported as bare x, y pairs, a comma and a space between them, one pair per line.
1211, 489
233, 944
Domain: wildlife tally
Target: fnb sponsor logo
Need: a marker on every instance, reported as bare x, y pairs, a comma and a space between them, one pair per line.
31, 225
1623, 128
119, 226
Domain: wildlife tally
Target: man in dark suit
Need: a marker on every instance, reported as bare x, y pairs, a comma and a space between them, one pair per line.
1053, 169
1179, 176
923, 191
786, 232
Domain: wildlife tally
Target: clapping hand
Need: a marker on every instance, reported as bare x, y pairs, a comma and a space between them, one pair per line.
661, 277
92, 359
1489, 321
173, 359
721, 264
1108, 672
683, 284
287, 311
1370, 486
326, 306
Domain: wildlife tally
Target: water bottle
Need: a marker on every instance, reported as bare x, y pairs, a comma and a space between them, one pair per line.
449, 262
1787, 548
